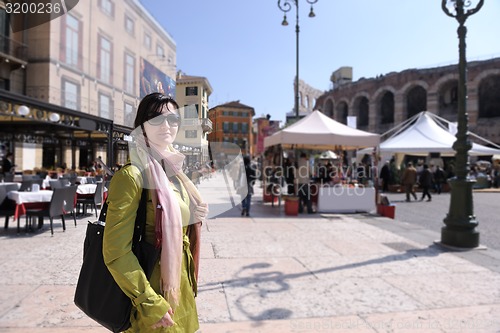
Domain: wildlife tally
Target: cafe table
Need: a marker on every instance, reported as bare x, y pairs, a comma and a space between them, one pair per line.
29, 200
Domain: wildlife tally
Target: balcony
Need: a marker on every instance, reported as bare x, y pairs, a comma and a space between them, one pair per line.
205, 123
13, 51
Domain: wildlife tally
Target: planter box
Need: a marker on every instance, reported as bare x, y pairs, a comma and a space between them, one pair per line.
387, 210
291, 205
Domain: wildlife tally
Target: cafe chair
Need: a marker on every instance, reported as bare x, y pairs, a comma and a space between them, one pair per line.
56, 184
7, 207
27, 184
62, 203
71, 178
91, 180
8, 177
92, 200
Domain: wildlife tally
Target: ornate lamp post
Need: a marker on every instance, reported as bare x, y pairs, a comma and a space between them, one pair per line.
285, 6
460, 221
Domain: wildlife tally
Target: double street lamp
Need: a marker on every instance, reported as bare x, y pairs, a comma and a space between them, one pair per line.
285, 6
460, 223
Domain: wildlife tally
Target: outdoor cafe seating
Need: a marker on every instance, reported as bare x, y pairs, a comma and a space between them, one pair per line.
90, 194
61, 203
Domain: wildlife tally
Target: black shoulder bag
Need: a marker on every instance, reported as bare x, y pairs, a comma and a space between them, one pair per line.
97, 293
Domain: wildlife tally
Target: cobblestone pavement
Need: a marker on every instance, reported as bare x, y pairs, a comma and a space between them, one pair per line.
276, 273
430, 215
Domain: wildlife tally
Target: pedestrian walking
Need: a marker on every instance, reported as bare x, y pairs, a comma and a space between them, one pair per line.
439, 179
303, 182
385, 175
250, 181
425, 181
409, 179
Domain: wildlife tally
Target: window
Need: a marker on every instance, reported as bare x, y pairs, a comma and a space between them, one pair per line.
105, 106
147, 40
70, 94
225, 127
191, 91
129, 114
244, 128
107, 6
71, 41
235, 128
128, 74
104, 60
191, 111
191, 134
159, 50
129, 25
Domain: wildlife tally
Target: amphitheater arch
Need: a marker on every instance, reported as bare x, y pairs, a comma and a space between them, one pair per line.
489, 96
342, 111
415, 97
329, 107
384, 101
447, 93
361, 109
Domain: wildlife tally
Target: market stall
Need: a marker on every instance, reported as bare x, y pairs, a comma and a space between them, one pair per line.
426, 133
319, 132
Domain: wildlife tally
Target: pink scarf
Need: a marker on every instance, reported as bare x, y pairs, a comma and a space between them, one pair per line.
168, 219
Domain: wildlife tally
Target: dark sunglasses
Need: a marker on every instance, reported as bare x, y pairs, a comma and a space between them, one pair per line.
172, 119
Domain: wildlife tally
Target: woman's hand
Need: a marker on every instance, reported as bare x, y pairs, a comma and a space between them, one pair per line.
165, 321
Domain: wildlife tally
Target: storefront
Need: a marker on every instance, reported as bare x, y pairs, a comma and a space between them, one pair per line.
43, 135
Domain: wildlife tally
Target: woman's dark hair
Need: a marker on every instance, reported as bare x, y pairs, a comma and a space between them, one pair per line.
151, 106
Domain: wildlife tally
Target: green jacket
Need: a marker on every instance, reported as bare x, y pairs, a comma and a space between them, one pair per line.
149, 306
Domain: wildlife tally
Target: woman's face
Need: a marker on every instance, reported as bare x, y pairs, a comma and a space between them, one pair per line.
162, 129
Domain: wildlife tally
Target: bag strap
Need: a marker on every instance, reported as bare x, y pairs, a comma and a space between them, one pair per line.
140, 218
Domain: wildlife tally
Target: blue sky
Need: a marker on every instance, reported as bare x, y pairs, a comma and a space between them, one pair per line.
247, 55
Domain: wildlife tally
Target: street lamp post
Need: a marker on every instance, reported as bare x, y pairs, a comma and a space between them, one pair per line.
285, 6
460, 223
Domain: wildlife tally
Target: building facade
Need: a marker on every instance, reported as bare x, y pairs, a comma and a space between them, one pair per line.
192, 95
263, 127
84, 80
385, 101
232, 123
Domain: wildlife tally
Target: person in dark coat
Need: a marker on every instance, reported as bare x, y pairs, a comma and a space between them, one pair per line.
250, 180
7, 164
289, 176
439, 179
385, 175
409, 179
425, 181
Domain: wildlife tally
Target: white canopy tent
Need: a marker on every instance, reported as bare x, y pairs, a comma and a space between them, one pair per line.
317, 131
426, 133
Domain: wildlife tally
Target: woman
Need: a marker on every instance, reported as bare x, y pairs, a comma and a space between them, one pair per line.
165, 302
